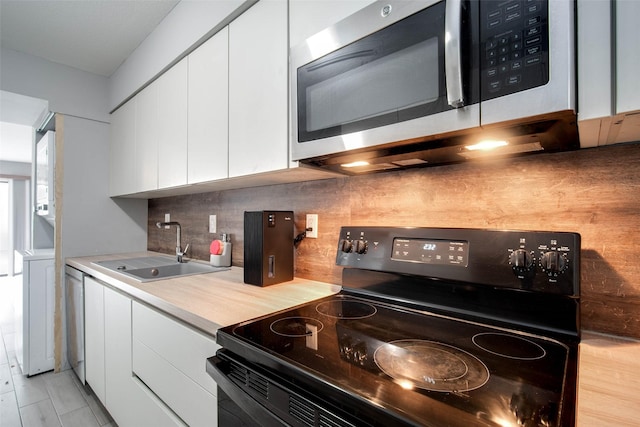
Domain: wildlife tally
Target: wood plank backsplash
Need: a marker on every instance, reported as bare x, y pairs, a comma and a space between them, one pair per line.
594, 192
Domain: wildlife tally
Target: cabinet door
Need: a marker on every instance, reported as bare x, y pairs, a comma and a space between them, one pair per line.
129, 400
94, 337
627, 56
208, 120
172, 126
258, 79
146, 139
117, 334
41, 315
123, 149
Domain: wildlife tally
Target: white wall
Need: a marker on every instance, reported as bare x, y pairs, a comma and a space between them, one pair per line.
187, 24
68, 90
9, 168
92, 223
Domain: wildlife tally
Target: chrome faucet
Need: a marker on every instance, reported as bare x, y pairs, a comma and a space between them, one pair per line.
179, 252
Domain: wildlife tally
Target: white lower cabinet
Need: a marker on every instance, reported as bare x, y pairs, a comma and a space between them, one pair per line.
137, 381
170, 359
94, 337
34, 317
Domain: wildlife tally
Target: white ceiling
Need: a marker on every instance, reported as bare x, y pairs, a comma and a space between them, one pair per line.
92, 35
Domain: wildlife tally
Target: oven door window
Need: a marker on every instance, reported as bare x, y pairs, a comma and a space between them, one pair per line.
393, 75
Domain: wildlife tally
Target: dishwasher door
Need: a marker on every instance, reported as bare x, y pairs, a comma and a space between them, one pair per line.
75, 320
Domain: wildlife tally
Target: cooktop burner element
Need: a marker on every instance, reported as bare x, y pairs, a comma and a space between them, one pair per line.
432, 327
431, 366
509, 346
341, 309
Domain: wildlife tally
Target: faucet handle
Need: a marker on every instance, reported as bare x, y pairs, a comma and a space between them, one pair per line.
180, 253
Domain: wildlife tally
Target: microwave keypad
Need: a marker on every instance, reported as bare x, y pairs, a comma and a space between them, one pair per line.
515, 39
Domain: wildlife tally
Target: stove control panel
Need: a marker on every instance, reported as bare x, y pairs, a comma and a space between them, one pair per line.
550, 257
532, 260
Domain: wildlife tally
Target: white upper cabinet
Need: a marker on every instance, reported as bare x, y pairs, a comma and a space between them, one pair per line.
146, 139
627, 56
221, 112
608, 60
122, 158
172, 126
258, 80
208, 103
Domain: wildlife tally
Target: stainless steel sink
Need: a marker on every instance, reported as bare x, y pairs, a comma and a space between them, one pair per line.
147, 269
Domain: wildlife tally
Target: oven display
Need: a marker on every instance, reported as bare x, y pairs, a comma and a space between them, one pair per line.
439, 252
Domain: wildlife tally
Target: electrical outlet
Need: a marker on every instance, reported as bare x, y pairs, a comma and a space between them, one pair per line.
167, 218
312, 223
212, 224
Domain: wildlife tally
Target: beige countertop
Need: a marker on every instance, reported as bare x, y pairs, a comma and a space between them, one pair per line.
207, 301
609, 367
608, 381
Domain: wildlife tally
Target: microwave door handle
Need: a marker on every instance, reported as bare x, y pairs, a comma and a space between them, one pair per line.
452, 53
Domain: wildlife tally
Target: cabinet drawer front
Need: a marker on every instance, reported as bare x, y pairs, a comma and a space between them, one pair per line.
192, 403
183, 348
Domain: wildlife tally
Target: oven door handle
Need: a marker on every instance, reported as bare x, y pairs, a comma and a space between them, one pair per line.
452, 52
218, 370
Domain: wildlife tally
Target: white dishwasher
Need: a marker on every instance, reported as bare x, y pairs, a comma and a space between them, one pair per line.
34, 312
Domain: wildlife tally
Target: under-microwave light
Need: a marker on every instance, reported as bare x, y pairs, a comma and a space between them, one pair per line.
355, 164
486, 145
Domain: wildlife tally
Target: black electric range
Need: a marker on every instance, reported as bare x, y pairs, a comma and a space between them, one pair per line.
433, 327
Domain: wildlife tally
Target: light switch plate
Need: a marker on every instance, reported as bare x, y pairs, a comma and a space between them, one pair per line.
167, 218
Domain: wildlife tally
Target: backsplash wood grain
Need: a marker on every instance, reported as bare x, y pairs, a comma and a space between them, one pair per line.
594, 192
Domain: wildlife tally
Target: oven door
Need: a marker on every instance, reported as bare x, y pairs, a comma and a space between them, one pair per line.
251, 396
235, 406
387, 73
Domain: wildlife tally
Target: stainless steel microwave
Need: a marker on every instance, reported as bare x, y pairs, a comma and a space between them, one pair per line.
411, 83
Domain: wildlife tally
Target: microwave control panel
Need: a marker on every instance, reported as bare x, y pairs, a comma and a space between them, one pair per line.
514, 37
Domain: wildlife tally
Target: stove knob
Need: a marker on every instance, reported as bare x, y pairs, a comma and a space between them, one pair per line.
553, 263
346, 246
360, 247
521, 261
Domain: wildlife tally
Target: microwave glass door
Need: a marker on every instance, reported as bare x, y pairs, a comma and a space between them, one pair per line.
393, 75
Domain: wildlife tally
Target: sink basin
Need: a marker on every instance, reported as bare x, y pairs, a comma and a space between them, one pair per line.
172, 270
147, 269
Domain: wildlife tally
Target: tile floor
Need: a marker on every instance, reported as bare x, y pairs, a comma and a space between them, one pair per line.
47, 400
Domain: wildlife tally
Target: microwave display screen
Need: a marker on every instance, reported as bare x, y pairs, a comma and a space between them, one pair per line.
439, 252
403, 79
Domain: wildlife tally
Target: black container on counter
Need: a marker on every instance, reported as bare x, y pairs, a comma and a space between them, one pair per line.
268, 247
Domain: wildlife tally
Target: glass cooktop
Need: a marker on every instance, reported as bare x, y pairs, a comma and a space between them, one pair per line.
422, 366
